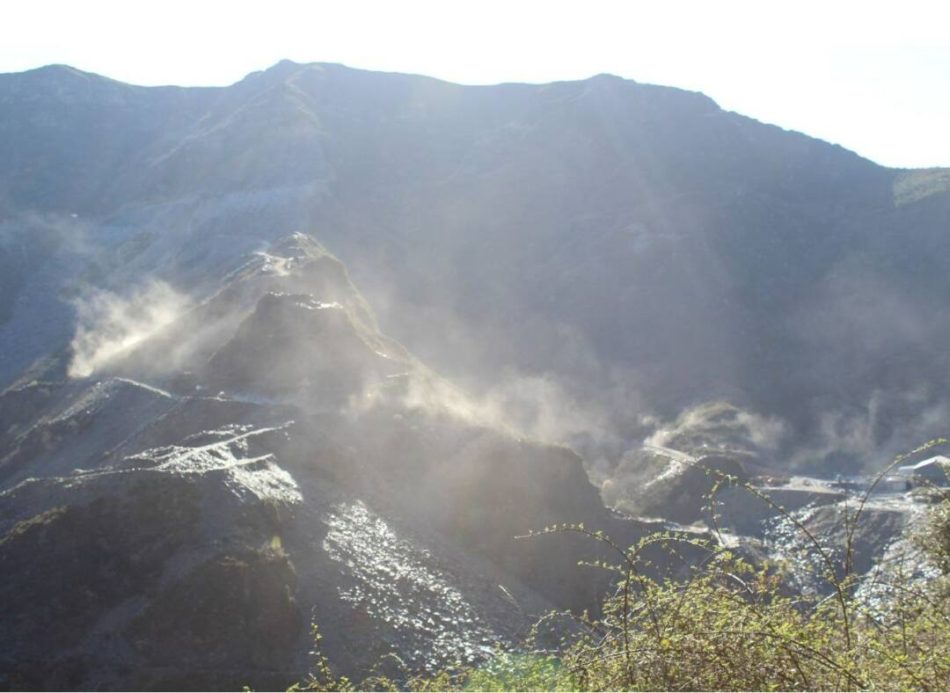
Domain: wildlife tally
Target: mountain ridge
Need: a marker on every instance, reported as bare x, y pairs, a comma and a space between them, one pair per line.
560, 203
189, 498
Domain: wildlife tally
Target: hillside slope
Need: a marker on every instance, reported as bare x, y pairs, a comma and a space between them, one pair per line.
637, 245
180, 516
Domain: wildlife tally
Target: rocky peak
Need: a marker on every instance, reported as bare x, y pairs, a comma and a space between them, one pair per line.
297, 344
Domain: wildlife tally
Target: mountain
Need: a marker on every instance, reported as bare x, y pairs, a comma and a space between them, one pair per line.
211, 439
635, 247
284, 464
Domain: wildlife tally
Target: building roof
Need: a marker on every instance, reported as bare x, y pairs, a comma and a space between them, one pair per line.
941, 460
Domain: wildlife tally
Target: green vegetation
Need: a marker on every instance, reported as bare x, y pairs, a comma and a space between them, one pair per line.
727, 623
934, 540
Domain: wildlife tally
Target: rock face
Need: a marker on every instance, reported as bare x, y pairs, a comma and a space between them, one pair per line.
180, 517
638, 244
313, 346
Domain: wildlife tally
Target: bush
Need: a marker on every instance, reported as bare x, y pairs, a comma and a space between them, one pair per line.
732, 625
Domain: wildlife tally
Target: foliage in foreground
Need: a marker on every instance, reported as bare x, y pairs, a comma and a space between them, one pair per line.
731, 625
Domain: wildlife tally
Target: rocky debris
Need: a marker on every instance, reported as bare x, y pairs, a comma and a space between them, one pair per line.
764, 516
184, 525
72, 428
844, 543
748, 512
675, 486
311, 348
394, 581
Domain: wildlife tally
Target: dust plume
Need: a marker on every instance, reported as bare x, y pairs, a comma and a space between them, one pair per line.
720, 425
108, 323
536, 407
866, 438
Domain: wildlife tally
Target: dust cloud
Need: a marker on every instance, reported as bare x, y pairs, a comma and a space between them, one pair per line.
108, 324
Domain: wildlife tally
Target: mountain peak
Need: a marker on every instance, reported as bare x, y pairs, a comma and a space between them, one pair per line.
285, 68
61, 69
298, 245
61, 74
609, 77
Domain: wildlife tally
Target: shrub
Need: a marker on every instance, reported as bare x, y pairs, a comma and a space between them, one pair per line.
733, 625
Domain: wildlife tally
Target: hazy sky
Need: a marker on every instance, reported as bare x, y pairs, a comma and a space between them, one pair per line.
871, 76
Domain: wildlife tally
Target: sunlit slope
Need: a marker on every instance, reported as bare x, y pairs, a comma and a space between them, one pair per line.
179, 515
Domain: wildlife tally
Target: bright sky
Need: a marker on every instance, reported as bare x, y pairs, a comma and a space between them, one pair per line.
872, 76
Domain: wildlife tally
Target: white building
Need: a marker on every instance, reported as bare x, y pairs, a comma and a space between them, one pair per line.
933, 470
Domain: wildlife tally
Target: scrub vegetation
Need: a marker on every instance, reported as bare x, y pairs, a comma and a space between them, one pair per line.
727, 623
